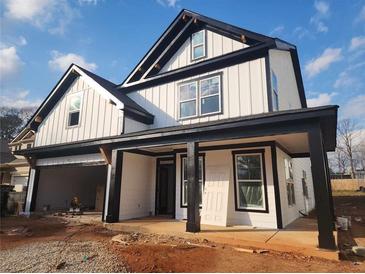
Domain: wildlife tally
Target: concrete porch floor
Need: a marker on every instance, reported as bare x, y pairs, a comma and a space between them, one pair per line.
300, 236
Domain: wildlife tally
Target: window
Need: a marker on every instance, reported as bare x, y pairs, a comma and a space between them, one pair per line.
249, 181
289, 182
198, 45
74, 109
201, 97
275, 92
184, 190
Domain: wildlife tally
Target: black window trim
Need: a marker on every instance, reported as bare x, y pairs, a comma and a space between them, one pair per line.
182, 156
250, 151
198, 98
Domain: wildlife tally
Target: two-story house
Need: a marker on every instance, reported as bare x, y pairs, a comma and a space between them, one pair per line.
211, 126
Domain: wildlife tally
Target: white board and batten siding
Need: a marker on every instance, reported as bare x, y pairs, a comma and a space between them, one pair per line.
216, 45
98, 118
282, 65
244, 92
137, 197
221, 161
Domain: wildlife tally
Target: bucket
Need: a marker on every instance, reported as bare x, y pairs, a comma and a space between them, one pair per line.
343, 223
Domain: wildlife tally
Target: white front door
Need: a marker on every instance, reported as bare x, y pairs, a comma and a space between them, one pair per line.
215, 196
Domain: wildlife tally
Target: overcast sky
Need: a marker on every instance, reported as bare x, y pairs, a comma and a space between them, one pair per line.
40, 38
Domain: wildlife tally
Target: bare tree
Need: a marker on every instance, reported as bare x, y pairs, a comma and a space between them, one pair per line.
12, 121
347, 135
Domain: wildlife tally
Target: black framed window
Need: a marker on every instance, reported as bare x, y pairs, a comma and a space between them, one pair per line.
289, 178
184, 181
250, 180
275, 92
74, 108
198, 45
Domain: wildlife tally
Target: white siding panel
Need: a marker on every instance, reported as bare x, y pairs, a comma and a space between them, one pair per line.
244, 93
282, 65
223, 158
98, 118
216, 45
138, 188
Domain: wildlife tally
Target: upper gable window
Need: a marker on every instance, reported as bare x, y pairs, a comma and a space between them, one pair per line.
74, 108
275, 92
198, 45
200, 97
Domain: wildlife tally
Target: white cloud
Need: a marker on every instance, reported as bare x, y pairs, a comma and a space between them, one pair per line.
344, 80
321, 7
321, 63
322, 12
53, 15
88, 2
61, 61
361, 16
18, 99
357, 42
277, 30
301, 32
321, 100
168, 3
10, 62
354, 108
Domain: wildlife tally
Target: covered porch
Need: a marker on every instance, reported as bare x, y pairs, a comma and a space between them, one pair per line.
134, 158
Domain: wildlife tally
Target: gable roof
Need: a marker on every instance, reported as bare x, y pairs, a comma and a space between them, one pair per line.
122, 101
186, 23
147, 74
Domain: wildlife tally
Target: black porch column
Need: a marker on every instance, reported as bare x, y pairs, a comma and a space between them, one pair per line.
329, 186
115, 187
193, 223
320, 185
34, 190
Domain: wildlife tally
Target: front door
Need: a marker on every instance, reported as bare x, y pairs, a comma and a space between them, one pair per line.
215, 197
165, 188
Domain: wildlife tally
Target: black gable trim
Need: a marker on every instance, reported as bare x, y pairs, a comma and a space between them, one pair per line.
298, 77
167, 40
211, 64
51, 100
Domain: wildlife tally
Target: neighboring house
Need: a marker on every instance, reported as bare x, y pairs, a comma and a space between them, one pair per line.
5, 157
211, 126
15, 169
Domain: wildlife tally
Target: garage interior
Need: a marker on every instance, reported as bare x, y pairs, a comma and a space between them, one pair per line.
59, 185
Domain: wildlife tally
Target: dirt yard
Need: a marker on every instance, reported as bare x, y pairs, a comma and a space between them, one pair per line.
61, 244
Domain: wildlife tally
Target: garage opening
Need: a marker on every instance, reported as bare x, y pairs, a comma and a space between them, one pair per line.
59, 185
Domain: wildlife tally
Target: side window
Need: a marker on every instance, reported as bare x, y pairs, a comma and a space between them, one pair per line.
74, 108
184, 185
275, 92
289, 182
198, 45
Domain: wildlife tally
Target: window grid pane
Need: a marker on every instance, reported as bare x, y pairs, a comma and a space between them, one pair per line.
249, 181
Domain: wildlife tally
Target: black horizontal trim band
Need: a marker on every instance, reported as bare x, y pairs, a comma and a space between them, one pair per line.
268, 124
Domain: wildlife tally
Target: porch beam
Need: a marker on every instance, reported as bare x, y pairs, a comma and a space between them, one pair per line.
330, 197
320, 184
193, 222
114, 184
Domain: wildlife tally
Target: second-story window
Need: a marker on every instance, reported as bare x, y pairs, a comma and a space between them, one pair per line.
200, 97
275, 92
198, 45
74, 107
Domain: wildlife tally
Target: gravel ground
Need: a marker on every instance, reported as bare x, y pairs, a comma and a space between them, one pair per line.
60, 256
